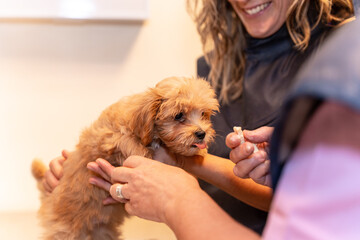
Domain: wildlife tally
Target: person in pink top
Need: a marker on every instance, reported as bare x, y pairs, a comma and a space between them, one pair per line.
318, 195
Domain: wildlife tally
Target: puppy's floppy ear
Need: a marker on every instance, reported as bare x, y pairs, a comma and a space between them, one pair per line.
144, 114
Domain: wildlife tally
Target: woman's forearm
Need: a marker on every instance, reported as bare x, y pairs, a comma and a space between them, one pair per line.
219, 172
197, 216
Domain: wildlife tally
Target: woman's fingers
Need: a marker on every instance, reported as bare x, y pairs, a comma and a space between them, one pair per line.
65, 153
102, 168
55, 172
56, 166
232, 140
109, 172
244, 168
124, 174
47, 186
109, 201
101, 183
121, 175
262, 134
241, 152
118, 192
50, 181
261, 174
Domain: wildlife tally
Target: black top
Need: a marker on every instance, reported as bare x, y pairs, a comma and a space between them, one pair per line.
271, 65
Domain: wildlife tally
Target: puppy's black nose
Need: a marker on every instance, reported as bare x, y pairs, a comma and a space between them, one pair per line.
200, 134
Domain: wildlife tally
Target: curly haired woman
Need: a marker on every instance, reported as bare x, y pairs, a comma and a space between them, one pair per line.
253, 50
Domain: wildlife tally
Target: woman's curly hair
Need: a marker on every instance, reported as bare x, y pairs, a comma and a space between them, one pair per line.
223, 36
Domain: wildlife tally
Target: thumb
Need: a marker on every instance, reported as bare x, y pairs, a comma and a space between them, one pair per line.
259, 135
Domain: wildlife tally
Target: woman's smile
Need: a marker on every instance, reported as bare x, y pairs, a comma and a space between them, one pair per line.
257, 9
261, 18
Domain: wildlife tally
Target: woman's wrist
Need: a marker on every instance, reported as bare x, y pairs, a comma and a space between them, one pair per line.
189, 164
189, 218
178, 214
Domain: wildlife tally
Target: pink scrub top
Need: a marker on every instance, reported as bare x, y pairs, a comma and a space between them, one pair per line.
318, 196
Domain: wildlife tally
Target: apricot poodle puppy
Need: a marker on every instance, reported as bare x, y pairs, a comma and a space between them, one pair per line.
176, 114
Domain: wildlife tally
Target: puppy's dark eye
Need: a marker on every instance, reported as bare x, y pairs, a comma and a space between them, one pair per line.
205, 115
179, 117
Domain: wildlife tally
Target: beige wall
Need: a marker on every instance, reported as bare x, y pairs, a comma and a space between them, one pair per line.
55, 78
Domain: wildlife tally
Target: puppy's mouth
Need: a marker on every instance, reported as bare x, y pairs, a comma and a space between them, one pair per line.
201, 145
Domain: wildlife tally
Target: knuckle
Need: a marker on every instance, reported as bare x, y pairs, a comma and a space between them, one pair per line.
134, 177
128, 208
232, 140
45, 185
52, 184
236, 155
238, 171
246, 150
256, 176
253, 175
47, 176
259, 157
52, 164
263, 154
232, 156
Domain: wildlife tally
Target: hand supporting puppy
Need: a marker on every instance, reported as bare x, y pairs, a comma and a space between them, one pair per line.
103, 168
55, 172
152, 189
250, 164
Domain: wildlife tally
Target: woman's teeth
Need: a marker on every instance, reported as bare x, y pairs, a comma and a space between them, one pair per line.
257, 9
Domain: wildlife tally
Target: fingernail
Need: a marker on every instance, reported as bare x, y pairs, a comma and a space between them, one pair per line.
90, 167
100, 162
248, 148
235, 138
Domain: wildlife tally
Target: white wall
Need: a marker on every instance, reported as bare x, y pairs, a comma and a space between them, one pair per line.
56, 78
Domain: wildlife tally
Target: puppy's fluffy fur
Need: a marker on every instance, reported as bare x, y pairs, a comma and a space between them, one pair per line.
176, 113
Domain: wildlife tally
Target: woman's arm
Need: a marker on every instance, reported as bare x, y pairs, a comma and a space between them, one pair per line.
219, 172
197, 216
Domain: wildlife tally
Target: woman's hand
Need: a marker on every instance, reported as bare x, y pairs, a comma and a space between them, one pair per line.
55, 172
104, 169
151, 189
249, 164
161, 154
